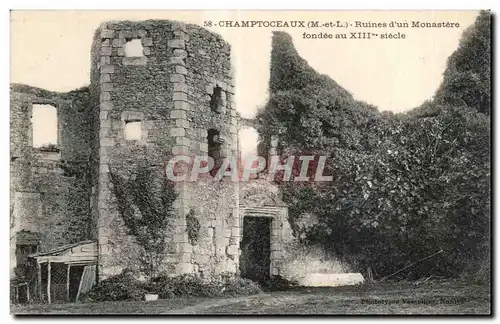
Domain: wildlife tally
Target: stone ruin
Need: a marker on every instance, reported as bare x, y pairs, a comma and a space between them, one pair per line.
173, 84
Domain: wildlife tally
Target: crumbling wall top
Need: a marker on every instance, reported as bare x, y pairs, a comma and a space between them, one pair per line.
107, 29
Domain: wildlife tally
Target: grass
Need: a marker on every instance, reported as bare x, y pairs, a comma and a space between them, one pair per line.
433, 298
107, 308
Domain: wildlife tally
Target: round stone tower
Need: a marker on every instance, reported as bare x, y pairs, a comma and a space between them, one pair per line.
159, 89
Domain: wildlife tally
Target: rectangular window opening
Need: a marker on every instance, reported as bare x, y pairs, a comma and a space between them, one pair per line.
44, 126
216, 100
133, 48
22, 253
133, 130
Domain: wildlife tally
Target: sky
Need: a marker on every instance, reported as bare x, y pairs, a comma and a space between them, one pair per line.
51, 50
44, 121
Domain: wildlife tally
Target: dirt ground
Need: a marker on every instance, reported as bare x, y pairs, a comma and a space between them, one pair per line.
432, 298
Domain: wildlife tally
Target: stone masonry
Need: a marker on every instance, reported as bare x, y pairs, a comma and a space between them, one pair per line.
50, 189
180, 90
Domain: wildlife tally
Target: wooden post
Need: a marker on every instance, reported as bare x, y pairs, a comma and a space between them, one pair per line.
48, 281
67, 283
39, 280
28, 291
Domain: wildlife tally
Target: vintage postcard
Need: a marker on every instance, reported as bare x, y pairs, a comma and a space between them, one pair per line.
250, 162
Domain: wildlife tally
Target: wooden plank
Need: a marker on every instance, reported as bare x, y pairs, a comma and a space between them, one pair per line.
80, 285
39, 281
87, 281
48, 282
67, 283
68, 258
82, 263
83, 259
83, 254
89, 247
87, 251
91, 279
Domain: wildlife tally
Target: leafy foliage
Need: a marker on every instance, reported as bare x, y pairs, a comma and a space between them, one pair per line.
145, 202
407, 201
278, 283
125, 287
192, 227
404, 186
467, 79
121, 287
191, 285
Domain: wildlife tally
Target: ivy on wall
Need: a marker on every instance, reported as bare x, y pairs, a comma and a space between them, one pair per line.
145, 203
404, 186
192, 227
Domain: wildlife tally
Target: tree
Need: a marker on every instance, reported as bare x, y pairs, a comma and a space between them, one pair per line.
467, 78
404, 186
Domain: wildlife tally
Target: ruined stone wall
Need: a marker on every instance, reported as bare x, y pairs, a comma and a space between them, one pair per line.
208, 65
129, 89
204, 64
95, 112
214, 203
168, 90
49, 191
260, 198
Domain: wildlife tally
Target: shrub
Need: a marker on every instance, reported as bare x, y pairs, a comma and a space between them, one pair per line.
278, 283
121, 287
182, 285
126, 287
404, 186
483, 275
191, 285
236, 286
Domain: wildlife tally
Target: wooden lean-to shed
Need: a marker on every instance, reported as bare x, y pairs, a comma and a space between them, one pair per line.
66, 273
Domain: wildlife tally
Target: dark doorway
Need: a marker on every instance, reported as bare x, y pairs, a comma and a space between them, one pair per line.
75, 275
255, 259
22, 294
